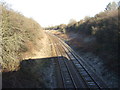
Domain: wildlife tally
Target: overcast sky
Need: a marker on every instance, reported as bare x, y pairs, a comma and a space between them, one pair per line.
55, 12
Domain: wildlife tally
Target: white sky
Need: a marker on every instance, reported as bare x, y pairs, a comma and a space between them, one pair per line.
55, 12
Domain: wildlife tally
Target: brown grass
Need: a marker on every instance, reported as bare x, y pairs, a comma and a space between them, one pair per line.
19, 35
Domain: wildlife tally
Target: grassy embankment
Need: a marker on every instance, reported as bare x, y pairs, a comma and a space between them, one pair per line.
21, 37
98, 34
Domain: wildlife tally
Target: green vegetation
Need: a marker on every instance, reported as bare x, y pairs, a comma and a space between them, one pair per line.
17, 32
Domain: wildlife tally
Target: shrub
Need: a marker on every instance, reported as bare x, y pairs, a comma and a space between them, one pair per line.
17, 30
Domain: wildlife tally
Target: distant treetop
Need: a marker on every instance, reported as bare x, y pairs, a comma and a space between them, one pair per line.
112, 6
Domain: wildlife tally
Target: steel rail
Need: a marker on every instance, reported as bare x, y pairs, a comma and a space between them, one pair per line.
57, 62
94, 84
83, 86
63, 47
78, 58
71, 78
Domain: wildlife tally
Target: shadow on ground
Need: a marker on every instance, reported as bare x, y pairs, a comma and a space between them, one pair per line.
33, 73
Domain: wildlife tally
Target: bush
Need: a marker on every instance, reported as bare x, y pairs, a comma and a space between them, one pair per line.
17, 30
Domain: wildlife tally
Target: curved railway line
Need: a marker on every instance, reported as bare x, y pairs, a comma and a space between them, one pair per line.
72, 71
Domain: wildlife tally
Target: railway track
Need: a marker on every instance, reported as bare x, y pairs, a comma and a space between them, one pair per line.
72, 71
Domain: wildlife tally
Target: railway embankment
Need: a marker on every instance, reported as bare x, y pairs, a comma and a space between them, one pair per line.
25, 47
84, 46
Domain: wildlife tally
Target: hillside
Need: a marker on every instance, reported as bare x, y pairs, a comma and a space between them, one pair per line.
101, 33
24, 48
96, 40
22, 38
17, 32
30, 55
103, 28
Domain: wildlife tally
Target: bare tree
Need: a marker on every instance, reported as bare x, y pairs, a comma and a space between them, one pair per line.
112, 6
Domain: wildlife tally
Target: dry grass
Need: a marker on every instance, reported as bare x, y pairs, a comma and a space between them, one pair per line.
17, 31
103, 30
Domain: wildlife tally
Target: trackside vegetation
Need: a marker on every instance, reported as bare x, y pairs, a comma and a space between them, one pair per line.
104, 28
17, 31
